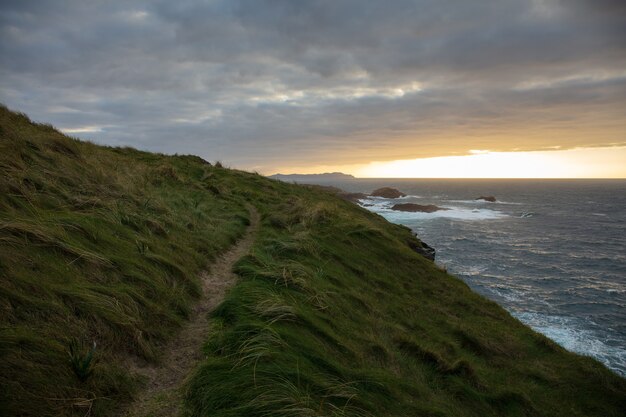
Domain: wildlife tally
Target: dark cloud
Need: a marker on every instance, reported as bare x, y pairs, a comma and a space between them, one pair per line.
270, 83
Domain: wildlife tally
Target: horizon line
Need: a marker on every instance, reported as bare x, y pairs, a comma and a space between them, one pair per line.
458, 178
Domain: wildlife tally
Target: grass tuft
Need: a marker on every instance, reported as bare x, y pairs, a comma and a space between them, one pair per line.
81, 359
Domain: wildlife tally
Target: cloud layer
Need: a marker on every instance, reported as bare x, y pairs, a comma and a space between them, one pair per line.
264, 84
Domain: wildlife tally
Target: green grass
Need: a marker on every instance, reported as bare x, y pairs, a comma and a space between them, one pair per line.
97, 244
333, 314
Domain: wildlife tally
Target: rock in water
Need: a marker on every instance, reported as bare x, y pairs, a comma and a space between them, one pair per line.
489, 198
423, 249
388, 192
415, 208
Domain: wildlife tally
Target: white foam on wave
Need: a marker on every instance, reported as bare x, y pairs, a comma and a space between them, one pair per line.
506, 293
567, 333
470, 270
383, 207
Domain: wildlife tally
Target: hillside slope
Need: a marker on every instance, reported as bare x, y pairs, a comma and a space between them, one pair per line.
333, 313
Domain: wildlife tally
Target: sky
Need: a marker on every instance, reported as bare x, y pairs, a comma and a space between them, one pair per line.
500, 88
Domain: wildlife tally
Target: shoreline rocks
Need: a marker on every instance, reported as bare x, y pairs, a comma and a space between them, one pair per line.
423, 249
489, 198
417, 208
387, 192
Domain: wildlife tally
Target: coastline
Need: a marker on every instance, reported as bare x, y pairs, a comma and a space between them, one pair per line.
485, 222
332, 309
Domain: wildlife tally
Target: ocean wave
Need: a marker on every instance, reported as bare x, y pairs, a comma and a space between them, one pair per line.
498, 291
471, 270
569, 334
458, 213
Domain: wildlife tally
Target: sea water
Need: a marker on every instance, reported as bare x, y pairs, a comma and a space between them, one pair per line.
552, 252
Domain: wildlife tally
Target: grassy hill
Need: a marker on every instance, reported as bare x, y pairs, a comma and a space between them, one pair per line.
333, 315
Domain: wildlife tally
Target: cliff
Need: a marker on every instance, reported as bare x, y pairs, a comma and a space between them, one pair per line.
333, 312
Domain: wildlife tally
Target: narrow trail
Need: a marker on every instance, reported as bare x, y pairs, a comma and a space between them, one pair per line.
162, 396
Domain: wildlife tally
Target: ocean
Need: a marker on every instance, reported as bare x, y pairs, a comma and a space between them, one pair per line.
552, 252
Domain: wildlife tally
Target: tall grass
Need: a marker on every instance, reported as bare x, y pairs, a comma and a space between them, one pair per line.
333, 313
98, 243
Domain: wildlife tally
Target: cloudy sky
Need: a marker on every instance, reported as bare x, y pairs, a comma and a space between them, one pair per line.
277, 85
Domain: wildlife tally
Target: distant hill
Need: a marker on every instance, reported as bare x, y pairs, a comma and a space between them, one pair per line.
313, 178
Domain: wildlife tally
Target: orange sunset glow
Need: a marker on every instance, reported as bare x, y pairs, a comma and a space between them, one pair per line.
574, 163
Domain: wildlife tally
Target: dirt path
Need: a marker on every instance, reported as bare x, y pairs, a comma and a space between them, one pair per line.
162, 395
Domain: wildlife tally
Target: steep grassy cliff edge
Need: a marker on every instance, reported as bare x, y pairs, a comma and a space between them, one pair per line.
333, 314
